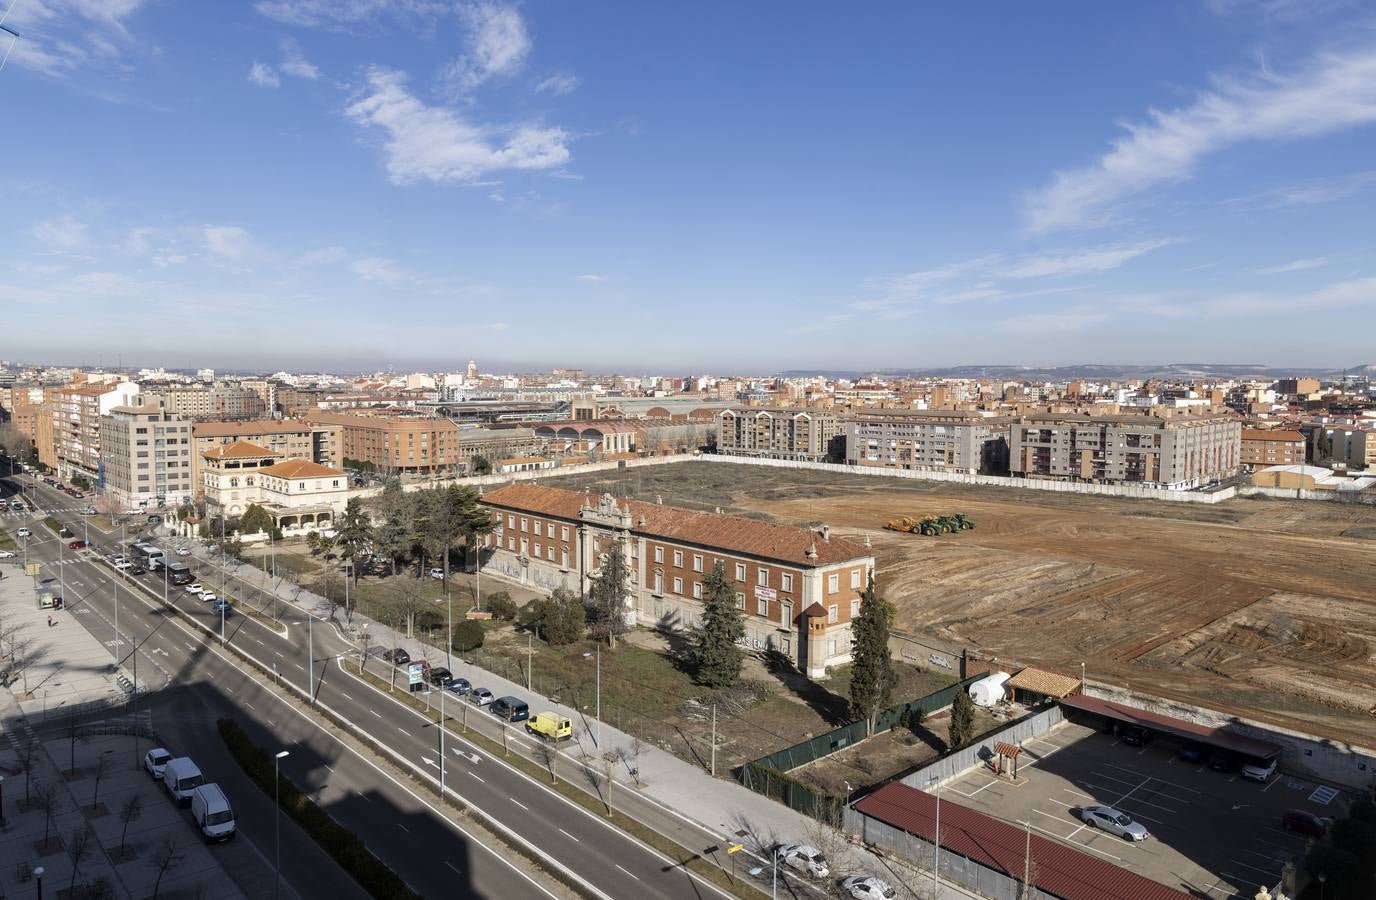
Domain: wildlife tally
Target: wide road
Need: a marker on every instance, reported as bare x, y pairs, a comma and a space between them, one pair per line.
415, 839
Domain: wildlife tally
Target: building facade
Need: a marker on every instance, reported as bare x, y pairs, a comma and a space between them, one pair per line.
145, 454
799, 589
1272, 448
929, 440
288, 438
300, 495
76, 414
1173, 451
394, 443
814, 435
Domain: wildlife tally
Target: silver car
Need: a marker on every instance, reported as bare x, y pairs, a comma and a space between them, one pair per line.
868, 887
805, 858
1114, 822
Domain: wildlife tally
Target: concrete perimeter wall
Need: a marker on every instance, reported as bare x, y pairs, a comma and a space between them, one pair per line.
975, 754
1336, 762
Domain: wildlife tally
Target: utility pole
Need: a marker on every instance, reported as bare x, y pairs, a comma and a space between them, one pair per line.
599, 695
530, 646
1027, 863
714, 739
449, 634
443, 691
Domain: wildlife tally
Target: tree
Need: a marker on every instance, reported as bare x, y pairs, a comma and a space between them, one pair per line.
78, 843
398, 513
45, 799
1324, 446
24, 754
103, 763
166, 858
717, 653
481, 466
81, 482
468, 635
354, 532
560, 617
607, 598
962, 727
501, 606
129, 811
871, 674
256, 519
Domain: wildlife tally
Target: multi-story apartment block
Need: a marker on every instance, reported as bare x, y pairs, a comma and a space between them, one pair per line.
1175, 451
1348, 443
145, 454
929, 440
799, 589
814, 435
289, 438
300, 495
1272, 448
25, 405
218, 401
396, 444
76, 411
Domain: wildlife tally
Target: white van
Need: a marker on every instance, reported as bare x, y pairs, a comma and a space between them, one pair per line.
181, 777
210, 809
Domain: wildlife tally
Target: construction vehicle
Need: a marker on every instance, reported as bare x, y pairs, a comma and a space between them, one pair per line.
931, 525
905, 524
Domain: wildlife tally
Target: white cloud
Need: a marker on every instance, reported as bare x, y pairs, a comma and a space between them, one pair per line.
558, 84
1081, 262
497, 44
323, 256
378, 270
429, 143
263, 76
62, 235
1307, 193
1053, 323
312, 13
227, 241
1299, 265
1339, 295
294, 61
1334, 92
62, 36
590, 278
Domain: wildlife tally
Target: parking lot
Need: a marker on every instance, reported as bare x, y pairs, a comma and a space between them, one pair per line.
1213, 834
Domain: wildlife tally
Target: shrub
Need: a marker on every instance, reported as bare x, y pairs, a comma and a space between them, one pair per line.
468, 635
501, 606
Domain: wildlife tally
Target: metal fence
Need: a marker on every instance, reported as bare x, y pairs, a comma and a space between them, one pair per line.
955, 763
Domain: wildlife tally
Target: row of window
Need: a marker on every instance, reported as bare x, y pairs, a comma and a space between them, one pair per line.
535, 528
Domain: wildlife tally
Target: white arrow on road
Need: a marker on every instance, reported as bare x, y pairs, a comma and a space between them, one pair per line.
471, 757
429, 762
160, 650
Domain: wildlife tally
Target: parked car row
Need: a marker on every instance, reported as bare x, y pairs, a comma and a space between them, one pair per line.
181, 778
1217, 759
549, 725
808, 860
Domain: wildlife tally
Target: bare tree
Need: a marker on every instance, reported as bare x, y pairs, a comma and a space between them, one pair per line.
129, 811
166, 858
637, 747
73, 735
24, 652
25, 754
102, 766
78, 843
45, 799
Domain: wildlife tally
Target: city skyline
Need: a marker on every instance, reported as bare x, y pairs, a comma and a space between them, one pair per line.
308, 185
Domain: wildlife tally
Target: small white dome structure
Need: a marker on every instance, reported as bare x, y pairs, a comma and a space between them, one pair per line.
988, 691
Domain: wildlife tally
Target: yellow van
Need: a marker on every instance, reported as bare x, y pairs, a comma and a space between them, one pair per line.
550, 726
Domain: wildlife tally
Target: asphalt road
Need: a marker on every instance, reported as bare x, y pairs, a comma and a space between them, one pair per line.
416, 840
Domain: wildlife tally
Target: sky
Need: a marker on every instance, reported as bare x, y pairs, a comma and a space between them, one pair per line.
684, 188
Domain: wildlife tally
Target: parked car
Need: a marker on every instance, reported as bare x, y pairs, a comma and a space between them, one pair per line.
181, 776
1114, 822
23, 532
804, 858
459, 686
1305, 822
440, 676
154, 760
222, 606
211, 812
397, 657
6, 554
183, 551
76, 545
208, 597
1194, 752
868, 887
195, 588
482, 696
1223, 762
513, 709
1259, 769
89, 511
135, 569
551, 726
1135, 735
437, 573
123, 565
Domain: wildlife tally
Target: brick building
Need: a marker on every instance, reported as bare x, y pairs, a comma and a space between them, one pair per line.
1272, 448
814, 435
76, 411
289, 438
799, 589
395, 443
929, 440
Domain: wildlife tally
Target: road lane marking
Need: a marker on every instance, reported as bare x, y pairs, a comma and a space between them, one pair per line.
477, 776
569, 836
618, 865
454, 867
519, 803
346, 696
376, 713
404, 731
299, 666
403, 828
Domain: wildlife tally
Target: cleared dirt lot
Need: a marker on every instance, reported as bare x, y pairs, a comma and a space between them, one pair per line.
1261, 608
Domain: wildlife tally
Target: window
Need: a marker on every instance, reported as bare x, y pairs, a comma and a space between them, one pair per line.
740, 600
336, 482
525, 524
565, 532
697, 562
678, 559
511, 543
762, 577
659, 582
740, 571
761, 604
659, 554
538, 554
233, 482
833, 583
854, 609
697, 590
678, 586
550, 554
510, 521
833, 613
855, 579
788, 582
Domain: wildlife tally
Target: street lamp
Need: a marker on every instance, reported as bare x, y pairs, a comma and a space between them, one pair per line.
277, 825
38, 873
936, 854
2, 801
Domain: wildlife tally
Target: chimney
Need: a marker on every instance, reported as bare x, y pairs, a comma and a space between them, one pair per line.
812, 550
826, 532
642, 521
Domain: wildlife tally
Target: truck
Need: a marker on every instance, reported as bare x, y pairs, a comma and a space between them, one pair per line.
550, 725
212, 814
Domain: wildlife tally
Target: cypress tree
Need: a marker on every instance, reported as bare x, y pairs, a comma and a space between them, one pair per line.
871, 677
717, 655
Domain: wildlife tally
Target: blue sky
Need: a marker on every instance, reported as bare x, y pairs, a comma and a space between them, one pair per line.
717, 187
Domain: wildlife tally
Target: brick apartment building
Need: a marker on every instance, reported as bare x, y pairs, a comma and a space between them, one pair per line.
799, 589
1174, 451
813, 435
395, 443
218, 401
1262, 448
288, 438
929, 440
76, 410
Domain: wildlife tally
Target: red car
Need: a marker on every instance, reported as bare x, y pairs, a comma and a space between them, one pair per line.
1305, 822
76, 545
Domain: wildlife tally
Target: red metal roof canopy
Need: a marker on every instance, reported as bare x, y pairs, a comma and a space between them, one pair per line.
1214, 737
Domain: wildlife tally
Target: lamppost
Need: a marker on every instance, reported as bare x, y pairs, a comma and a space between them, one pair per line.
310, 659
38, 873
936, 854
449, 635
277, 825
2, 801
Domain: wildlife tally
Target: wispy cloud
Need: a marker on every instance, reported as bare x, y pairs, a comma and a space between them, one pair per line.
63, 235
64, 36
1299, 265
558, 84
1081, 262
263, 75
1356, 292
295, 63
430, 143
378, 270
1333, 92
497, 44
229, 242
1053, 323
1311, 192
589, 278
323, 256
317, 13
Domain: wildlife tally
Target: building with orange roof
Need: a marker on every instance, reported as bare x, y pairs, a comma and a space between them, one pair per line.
290, 438
799, 588
1272, 447
299, 494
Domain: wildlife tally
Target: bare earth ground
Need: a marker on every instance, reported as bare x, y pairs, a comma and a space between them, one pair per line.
1260, 608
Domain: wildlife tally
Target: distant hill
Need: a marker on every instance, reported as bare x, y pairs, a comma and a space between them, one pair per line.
1091, 372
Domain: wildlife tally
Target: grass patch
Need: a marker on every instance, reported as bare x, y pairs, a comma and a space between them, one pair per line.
681, 856
343, 845
53, 525
910, 682
7, 542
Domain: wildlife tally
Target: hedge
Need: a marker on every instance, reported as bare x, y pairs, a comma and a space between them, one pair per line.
343, 845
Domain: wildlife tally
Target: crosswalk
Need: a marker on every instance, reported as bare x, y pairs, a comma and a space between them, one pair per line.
26, 513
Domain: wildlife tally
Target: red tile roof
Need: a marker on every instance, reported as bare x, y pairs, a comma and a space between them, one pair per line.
251, 427
301, 468
783, 543
1060, 870
237, 450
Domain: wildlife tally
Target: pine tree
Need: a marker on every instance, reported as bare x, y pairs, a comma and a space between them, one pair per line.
355, 532
871, 676
607, 598
717, 655
962, 726
561, 617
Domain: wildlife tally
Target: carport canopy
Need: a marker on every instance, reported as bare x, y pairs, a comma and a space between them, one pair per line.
1190, 731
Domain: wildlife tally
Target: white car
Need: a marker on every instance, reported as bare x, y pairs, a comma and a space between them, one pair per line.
437, 573
207, 597
89, 511
154, 761
183, 551
123, 564
867, 887
195, 589
1114, 822
6, 554
23, 532
1259, 770
805, 858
